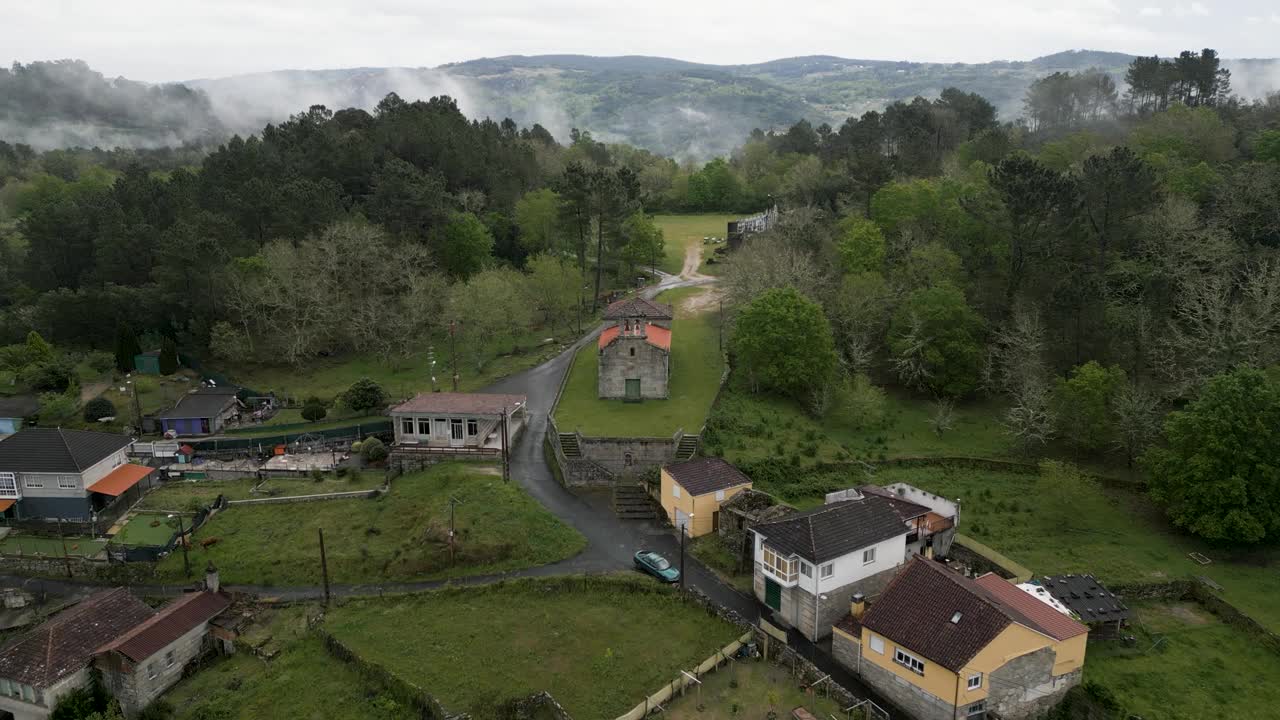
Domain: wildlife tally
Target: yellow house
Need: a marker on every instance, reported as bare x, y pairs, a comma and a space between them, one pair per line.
944, 647
692, 492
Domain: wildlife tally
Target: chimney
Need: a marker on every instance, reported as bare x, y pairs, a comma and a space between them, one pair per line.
211, 582
857, 606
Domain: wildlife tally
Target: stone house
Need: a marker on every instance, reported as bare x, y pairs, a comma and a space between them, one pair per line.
458, 420
692, 492
742, 512
43, 665
150, 658
203, 411
635, 351
942, 646
807, 565
69, 474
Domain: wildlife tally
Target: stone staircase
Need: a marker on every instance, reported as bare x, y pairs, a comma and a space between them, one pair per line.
569, 445
632, 502
687, 448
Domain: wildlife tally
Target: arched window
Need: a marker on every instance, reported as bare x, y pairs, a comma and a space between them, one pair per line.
626, 459
633, 352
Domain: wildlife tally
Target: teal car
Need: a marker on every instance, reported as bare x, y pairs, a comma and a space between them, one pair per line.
648, 561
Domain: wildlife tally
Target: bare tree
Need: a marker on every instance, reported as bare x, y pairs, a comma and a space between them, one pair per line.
1137, 417
762, 264
943, 418
1030, 420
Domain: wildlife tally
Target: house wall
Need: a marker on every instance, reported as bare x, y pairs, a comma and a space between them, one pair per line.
700, 507
52, 501
846, 649
1025, 687
650, 364
49, 698
131, 684
441, 437
936, 503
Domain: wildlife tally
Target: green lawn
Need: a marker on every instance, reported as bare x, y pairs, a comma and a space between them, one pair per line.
273, 430
16, 544
155, 393
328, 483
598, 648
723, 561
1202, 668
400, 536
302, 682
147, 529
1117, 535
696, 364
187, 495
681, 231
749, 689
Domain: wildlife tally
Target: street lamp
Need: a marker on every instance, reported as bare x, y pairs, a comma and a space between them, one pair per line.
186, 561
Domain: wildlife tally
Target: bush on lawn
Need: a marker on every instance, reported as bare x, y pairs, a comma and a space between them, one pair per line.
98, 408
373, 450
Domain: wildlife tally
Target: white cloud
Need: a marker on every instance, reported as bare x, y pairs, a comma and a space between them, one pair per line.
1151, 12
1195, 9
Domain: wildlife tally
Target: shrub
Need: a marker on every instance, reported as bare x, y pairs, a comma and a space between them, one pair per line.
98, 408
51, 376
365, 395
314, 410
373, 450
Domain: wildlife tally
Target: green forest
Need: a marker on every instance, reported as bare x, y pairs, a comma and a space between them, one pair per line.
1096, 264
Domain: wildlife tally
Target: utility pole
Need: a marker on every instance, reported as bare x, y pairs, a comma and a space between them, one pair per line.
453, 502
137, 411
683, 582
506, 461
65, 558
721, 323
182, 540
453, 351
324, 566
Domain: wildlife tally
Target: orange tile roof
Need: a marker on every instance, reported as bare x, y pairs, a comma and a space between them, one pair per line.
655, 335
120, 479
6, 504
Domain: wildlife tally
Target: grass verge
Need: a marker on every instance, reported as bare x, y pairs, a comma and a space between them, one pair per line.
681, 231
696, 364
400, 536
598, 645
750, 689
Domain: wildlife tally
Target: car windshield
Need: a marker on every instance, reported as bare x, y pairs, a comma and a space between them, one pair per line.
659, 562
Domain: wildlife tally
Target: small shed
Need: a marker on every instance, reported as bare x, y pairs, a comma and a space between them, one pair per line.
147, 363
14, 412
1096, 606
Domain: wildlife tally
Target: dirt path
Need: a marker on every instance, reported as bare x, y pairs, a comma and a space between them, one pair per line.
692, 259
92, 390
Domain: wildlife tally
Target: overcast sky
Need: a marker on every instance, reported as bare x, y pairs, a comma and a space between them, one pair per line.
185, 39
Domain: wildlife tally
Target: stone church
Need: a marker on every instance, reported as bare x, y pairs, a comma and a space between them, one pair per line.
635, 351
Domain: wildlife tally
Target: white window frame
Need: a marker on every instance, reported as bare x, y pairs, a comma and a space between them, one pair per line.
473, 427
9, 481
775, 564
407, 426
827, 570
719, 495
806, 569
976, 708
32, 482
420, 423
151, 671
908, 661
68, 482
974, 681
675, 490
868, 556
168, 659
877, 644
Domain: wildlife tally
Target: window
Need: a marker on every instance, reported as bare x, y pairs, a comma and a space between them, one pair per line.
868, 556
424, 426
909, 661
782, 568
977, 708
33, 481
28, 693
719, 495
442, 427
877, 644
68, 482
406, 426
675, 490
8, 486
633, 352
827, 570
473, 427
168, 659
975, 681
806, 569
627, 459
151, 671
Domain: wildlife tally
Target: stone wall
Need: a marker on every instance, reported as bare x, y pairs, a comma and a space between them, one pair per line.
836, 604
113, 573
847, 650
633, 358
611, 453
133, 686
1025, 687
918, 703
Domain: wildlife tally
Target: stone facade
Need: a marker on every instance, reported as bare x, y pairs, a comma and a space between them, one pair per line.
137, 686
1025, 687
798, 606
628, 456
633, 358
914, 700
846, 649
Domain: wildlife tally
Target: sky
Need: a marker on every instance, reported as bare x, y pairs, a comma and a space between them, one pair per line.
160, 40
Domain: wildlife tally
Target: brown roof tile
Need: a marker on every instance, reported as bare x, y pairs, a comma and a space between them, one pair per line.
704, 475
65, 643
172, 622
1044, 619
461, 403
637, 306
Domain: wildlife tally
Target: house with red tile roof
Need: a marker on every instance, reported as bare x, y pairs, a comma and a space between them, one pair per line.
635, 351
451, 420
943, 646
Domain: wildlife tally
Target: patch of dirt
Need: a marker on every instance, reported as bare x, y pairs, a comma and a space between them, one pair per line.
706, 301
487, 470
89, 391
693, 258
1188, 615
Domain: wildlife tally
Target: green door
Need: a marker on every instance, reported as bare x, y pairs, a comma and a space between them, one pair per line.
633, 390
772, 594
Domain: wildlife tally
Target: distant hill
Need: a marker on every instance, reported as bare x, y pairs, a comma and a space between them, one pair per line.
65, 103
675, 107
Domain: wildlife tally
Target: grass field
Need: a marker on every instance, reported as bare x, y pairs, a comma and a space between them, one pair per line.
188, 495
16, 544
713, 552
681, 231
1202, 668
400, 536
302, 682
597, 649
270, 430
139, 530
1117, 535
155, 393
696, 365
749, 689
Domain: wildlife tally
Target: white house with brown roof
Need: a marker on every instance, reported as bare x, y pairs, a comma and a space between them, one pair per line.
440, 421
